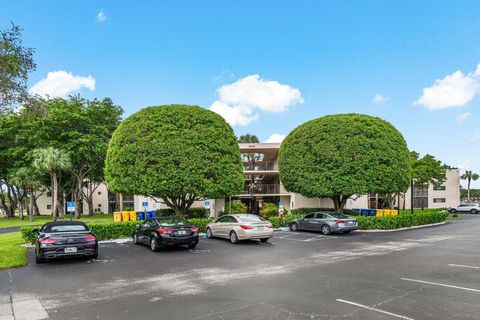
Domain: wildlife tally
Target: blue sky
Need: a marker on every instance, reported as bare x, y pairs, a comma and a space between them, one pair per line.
312, 58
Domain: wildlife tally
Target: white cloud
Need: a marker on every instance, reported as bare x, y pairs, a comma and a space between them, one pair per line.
455, 90
235, 115
465, 165
475, 137
101, 17
239, 102
61, 84
462, 117
379, 99
275, 138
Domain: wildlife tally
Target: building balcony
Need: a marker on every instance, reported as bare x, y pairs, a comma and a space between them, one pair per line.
261, 166
264, 189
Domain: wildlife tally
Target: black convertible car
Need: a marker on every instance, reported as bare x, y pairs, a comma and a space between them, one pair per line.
60, 239
163, 232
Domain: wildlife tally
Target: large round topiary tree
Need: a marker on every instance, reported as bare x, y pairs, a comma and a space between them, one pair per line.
175, 153
338, 156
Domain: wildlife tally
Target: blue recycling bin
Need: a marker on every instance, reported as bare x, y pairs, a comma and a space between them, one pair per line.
364, 212
358, 211
151, 214
140, 215
372, 212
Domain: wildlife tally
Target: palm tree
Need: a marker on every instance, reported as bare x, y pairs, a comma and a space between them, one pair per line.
26, 179
469, 176
52, 160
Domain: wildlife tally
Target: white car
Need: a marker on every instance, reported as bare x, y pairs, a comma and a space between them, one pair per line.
237, 227
466, 207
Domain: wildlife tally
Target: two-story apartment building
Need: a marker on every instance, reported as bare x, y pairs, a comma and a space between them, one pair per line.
262, 184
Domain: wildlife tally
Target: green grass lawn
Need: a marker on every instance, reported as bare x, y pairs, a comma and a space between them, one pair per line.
38, 221
12, 254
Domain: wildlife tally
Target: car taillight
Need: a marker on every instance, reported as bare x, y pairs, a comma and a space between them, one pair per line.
244, 227
194, 229
340, 221
161, 230
269, 226
48, 240
89, 238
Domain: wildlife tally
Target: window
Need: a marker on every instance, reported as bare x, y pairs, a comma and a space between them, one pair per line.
439, 188
99, 205
320, 216
99, 193
222, 219
309, 216
439, 200
49, 207
49, 193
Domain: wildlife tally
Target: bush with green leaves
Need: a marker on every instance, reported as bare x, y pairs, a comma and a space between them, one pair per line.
403, 220
234, 207
196, 212
305, 211
341, 155
269, 210
177, 153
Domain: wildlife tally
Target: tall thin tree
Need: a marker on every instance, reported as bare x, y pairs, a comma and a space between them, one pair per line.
469, 176
53, 161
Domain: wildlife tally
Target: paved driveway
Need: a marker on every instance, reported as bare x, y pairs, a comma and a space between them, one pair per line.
431, 273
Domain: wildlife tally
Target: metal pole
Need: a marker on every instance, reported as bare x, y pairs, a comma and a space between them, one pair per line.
230, 205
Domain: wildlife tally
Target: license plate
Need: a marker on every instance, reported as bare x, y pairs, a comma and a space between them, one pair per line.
70, 249
182, 232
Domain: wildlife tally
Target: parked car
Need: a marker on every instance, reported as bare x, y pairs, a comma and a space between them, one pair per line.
466, 207
60, 239
166, 231
238, 227
325, 222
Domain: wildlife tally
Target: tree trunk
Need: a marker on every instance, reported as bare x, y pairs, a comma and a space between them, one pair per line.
53, 181
339, 202
468, 189
423, 207
31, 205
36, 210
120, 199
78, 193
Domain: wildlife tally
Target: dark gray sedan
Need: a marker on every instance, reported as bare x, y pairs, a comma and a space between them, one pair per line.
325, 222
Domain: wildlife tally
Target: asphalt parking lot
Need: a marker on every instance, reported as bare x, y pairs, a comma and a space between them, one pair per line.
430, 273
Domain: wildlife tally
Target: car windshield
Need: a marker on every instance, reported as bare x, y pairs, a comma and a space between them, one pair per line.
339, 215
66, 228
250, 218
173, 221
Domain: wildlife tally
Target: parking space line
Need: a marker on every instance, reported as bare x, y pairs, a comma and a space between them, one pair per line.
463, 266
441, 284
310, 239
288, 235
374, 309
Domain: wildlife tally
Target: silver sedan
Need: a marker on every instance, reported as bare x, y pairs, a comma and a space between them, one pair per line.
325, 222
466, 207
237, 227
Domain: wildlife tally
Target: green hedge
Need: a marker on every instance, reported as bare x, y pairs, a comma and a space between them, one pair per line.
305, 211
197, 212
112, 230
403, 220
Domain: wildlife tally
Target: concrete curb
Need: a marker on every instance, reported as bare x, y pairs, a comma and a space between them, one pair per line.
403, 229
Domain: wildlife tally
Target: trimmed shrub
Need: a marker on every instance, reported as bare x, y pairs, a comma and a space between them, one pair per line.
278, 222
196, 212
305, 211
403, 220
237, 207
269, 210
104, 231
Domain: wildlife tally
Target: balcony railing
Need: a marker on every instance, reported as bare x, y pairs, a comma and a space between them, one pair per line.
262, 189
420, 193
260, 166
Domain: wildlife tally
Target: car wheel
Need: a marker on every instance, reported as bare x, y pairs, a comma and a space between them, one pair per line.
263, 240
192, 246
39, 260
154, 244
325, 229
474, 211
234, 237
294, 226
135, 239
209, 233
452, 210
